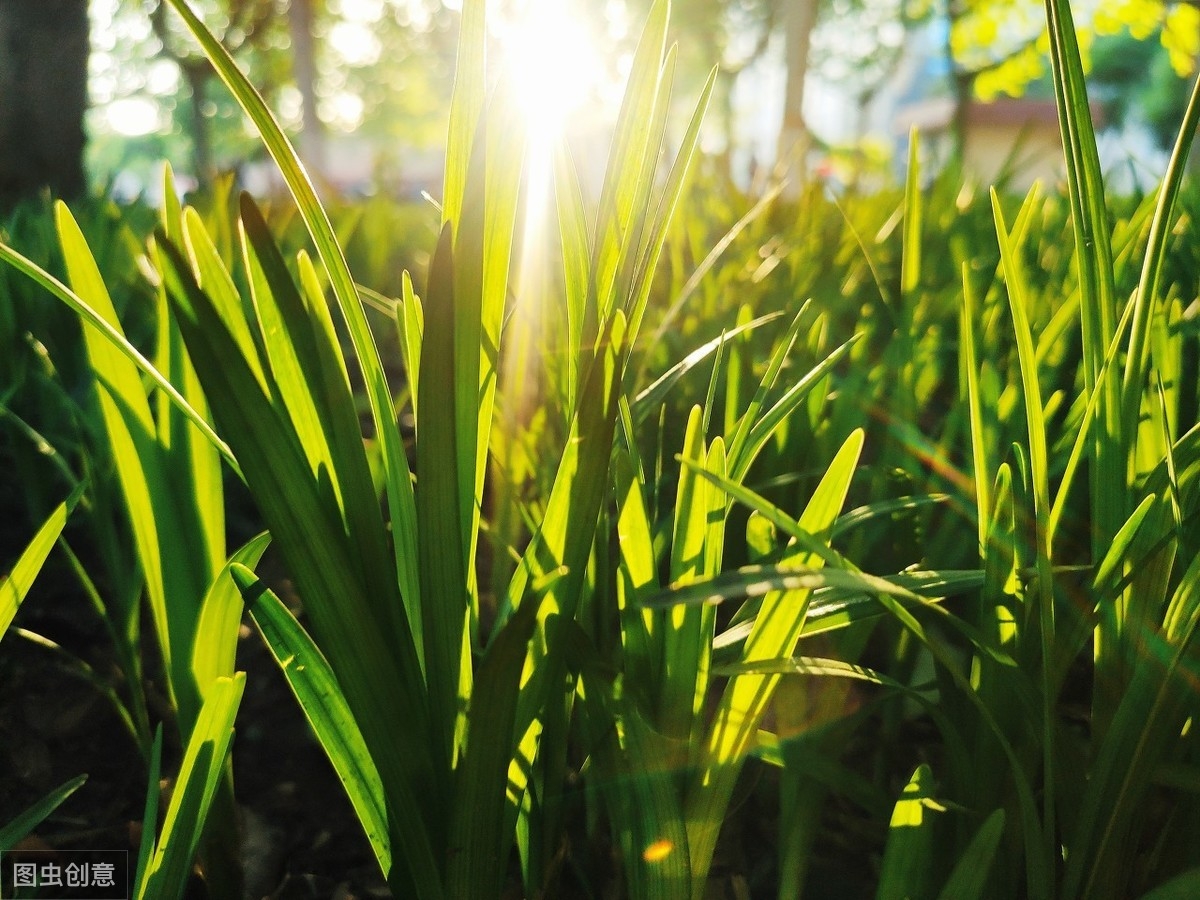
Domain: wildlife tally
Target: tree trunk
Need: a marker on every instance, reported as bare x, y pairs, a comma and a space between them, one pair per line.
304, 70
799, 20
43, 96
196, 74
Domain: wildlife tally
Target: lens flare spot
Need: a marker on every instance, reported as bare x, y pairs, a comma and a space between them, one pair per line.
658, 851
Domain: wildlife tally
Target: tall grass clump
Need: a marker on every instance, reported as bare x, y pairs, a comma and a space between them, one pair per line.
913, 531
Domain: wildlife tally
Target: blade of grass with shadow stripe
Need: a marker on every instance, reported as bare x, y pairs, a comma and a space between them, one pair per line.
200, 774
320, 697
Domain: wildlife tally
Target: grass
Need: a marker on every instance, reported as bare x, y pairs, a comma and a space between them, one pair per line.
738, 530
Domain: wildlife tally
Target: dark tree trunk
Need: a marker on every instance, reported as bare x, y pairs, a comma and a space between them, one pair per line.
301, 16
43, 96
197, 73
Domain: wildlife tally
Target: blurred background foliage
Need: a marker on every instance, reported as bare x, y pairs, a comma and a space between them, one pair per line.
363, 85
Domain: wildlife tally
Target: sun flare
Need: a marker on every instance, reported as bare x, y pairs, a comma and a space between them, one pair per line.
553, 63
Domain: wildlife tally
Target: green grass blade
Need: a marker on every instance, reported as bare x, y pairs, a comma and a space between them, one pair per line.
156, 481
1149, 284
149, 813
1093, 256
215, 646
910, 259
908, 854
309, 530
969, 878
653, 239
19, 828
623, 196
761, 430
980, 463
443, 554
682, 641
317, 223
16, 584
744, 702
574, 241
320, 697
466, 107
199, 775
214, 278
477, 830
1018, 296
114, 335
651, 398
701, 272
774, 364
1145, 729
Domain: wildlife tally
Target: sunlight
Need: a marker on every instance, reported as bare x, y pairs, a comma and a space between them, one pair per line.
553, 63
132, 116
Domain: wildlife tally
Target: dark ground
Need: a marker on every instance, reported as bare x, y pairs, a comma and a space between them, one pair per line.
300, 837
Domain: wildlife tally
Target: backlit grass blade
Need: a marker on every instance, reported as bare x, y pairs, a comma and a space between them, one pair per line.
637, 578
466, 107
213, 276
441, 536
308, 528
117, 338
177, 548
1111, 567
883, 509
310, 385
759, 581
482, 241
574, 241
761, 430
411, 325
774, 364
908, 855
744, 702
199, 775
654, 238
1018, 296
655, 843
215, 646
910, 257
149, 813
624, 182
580, 482
1094, 259
320, 697
1085, 426
193, 468
682, 639
317, 223
980, 464
17, 582
12, 833
697, 278
1149, 284
650, 398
